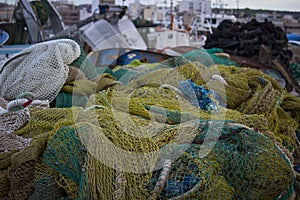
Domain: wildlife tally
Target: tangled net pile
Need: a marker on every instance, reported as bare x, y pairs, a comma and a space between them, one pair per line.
145, 140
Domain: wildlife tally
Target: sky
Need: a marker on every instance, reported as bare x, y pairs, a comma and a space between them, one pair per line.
285, 5
289, 5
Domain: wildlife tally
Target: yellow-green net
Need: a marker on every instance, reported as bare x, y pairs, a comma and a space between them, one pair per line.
243, 164
125, 143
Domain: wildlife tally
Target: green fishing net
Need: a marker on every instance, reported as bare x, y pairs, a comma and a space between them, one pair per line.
84, 64
295, 69
45, 185
238, 167
243, 164
209, 57
67, 100
145, 140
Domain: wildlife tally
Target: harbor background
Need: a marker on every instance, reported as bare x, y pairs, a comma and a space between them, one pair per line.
183, 11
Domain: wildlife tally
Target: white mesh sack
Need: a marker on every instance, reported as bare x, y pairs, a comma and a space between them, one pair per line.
41, 69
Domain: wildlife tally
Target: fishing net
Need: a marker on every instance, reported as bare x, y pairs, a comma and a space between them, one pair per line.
117, 175
80, 69
45, 186
147, 94
21, 165
47, 121
295, 69
67, 100
209, 57
41, 10
230, 170
75, 73
247, 91
81, 87
21, 171
10, 142
4, 183
80, 83
84, 64
3, 103
123, 73
77, 92
240, 152
150, 140
79, 173
12, 121
41, 69
69, 161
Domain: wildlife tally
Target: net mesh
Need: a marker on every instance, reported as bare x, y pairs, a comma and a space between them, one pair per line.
12, 121
248, 91
295, 69
75, 73
78, 153
84, 64
45, 186
4, 183
266, 172
10, 142
209, 57
46, 121
21, 171
71, 159
3, 103
41, 69
244, 154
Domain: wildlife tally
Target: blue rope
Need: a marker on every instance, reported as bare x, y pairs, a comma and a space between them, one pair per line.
190, 91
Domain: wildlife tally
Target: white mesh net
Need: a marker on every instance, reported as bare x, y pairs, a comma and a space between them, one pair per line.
12, 121
10, 142
41, 69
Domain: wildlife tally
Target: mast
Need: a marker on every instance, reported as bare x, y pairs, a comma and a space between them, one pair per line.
237, 4
172, 16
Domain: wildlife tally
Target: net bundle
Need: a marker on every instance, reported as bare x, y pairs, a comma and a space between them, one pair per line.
125, 143
240, 152
237, 167
80, 171
41, 69
246, 92
21, 171
23, 150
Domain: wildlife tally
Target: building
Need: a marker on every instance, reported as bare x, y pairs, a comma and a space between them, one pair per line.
148, 13
203, 6
96, 3
135, 9
69, 13
290, 24
160, 13
6, 12
107, 2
